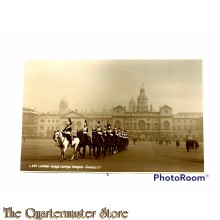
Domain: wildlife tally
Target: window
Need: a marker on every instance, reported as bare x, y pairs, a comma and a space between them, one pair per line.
48, 121
52, 121
127, 126
57, 121
166, 125
118, 124
135, 125
141, 125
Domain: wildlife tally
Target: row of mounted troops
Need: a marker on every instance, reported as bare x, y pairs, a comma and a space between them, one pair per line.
104, 140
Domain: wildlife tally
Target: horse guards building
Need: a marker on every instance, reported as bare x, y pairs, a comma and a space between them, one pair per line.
139, 119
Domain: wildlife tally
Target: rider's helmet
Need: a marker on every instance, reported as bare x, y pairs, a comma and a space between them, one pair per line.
69, 122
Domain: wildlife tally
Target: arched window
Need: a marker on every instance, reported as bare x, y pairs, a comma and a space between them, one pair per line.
141, 125
166, 125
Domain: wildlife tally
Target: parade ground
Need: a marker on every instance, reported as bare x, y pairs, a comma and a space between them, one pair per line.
43, 155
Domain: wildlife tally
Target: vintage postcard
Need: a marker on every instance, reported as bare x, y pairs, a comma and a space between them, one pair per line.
112, 116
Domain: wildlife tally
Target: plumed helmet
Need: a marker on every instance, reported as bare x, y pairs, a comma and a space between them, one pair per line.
69, 122
99, 122
85, 123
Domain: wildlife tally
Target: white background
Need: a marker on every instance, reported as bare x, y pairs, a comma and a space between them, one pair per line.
107, 30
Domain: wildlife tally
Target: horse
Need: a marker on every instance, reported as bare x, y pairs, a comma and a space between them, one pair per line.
109, 144
63, 143
85, 142
97, 141
115, 142
125, 142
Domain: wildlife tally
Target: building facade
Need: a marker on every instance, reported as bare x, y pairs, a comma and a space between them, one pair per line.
29, 125
140, 118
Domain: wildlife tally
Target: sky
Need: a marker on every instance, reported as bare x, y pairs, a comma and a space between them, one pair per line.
93, 84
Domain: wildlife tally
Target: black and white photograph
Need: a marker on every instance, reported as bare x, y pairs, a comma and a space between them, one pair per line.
112, 116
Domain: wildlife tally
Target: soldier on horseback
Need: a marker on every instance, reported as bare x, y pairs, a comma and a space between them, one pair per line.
85, 131
109, 130
115, 131
104, 132
67, 131
99, 139
99, 129
110, 140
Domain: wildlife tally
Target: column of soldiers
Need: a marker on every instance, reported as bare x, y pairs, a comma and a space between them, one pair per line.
114, 140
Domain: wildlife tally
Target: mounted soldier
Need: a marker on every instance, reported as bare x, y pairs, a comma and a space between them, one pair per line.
85, 131
99, 129
109, 130
110, 146
99, 139
67, 131
104, 131
115, 131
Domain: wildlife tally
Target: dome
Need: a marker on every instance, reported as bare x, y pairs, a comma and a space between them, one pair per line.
142, 97
142, 90
132, 101
63, 100
142, 100
132, 105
